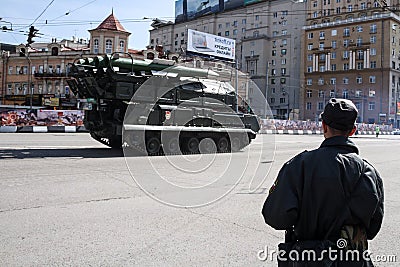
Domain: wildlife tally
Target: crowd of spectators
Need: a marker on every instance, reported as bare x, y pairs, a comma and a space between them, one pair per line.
272, 124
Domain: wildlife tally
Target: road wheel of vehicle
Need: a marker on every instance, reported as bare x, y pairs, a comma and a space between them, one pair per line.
172, 146
207, 146
223, 144
192, 145
235, 144
153, 145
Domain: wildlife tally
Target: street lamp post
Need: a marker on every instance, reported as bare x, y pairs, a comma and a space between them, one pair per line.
29, 77
396, 108
284, 93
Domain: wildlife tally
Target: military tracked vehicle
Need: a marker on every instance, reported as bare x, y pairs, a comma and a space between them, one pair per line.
159, 106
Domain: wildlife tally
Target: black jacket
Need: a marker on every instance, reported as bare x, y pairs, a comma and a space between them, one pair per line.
328, 186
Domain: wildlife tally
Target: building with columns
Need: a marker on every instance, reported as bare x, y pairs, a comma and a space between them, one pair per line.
351, 49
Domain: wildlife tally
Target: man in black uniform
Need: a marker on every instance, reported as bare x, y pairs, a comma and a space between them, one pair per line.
330, 193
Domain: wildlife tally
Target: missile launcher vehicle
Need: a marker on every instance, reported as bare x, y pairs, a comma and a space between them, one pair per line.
158, 106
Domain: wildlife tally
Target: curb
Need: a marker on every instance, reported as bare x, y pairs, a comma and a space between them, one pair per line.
78, 129
42, 129
307, 132
293, 132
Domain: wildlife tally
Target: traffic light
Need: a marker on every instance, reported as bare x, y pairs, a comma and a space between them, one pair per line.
31, 34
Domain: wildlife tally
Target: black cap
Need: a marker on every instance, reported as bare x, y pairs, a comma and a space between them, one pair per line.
340, 114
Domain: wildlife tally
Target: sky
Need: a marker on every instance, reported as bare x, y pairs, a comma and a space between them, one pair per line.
83, 15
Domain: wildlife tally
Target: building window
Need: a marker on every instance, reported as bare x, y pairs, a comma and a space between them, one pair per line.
334, 44
283, 51
310, 35
359, 29
346, 32
309, 46
226, 33
359, 41
371, 93
10, 70
373, 52
321, 81
321, 94
96, 46
371, 106
309, 81
273, 52
372, 39
309, 93
345, 94
321, 45
333, 67
334, 32
321, 35
372, 79
283, 80
346, 66
122, 46
108, 46
283, 71
332, 93
322, 68
320, 105
283, 61
272, 100
282, 100
309, 57
284, 32
359, 80
360, 54
333, 55
345, 80
309, 69
372, 28
349, 8
333, 81
360, 65
244, 21
235, 32
346, 42
308, 106
372, 64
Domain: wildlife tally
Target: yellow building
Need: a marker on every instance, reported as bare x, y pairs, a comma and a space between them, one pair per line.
36, 75
351, 49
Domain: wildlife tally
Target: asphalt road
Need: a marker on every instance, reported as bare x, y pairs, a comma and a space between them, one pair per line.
66, 200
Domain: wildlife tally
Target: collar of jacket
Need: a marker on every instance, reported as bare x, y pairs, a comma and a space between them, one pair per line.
341, 141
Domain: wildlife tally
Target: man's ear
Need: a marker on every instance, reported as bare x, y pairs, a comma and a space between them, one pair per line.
324, 127
353, 131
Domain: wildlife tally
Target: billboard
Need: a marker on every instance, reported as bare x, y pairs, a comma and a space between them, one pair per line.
196, 8
191, 9
210, 45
